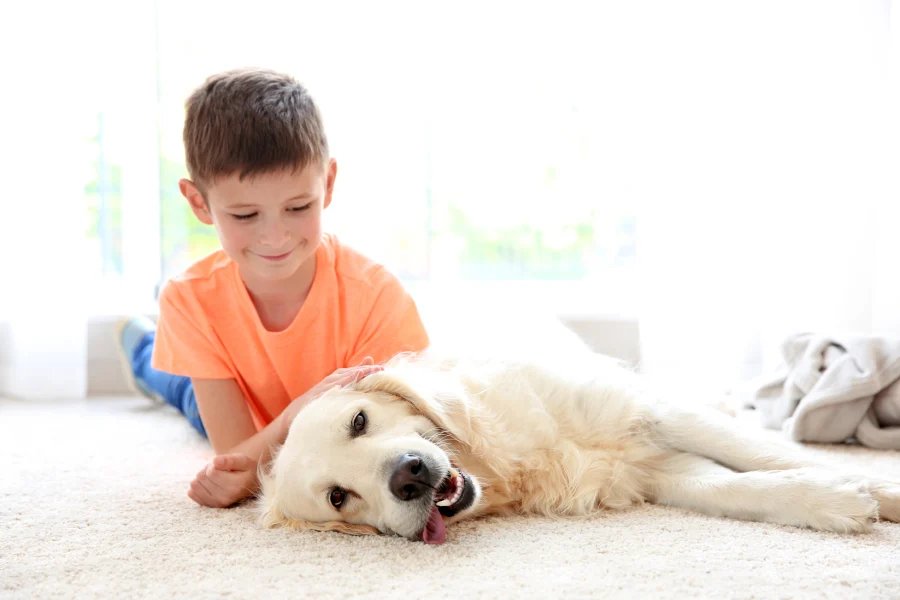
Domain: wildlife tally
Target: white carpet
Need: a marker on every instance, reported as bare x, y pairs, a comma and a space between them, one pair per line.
93, 504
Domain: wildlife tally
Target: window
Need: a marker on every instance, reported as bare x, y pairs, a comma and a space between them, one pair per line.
451, 167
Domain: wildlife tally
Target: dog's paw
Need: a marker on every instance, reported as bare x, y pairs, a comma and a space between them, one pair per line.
888, 497
847, 507
830, 502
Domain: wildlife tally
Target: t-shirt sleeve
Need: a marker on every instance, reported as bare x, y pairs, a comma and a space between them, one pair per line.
392, 326
186, 343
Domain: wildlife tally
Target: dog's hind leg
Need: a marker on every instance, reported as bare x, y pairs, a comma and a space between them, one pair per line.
799, 497
706, 432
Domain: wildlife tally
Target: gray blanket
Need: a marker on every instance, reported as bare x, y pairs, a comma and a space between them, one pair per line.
835, 389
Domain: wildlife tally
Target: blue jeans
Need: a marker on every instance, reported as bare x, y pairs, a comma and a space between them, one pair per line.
174, 389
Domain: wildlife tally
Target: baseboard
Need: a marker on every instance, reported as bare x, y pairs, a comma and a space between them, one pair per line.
611, 336
105, 374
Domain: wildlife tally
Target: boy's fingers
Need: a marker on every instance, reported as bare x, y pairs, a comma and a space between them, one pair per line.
199, 494
363, 373
203, 498
232, 462
343, 376
193, 496
221, 483
241, 462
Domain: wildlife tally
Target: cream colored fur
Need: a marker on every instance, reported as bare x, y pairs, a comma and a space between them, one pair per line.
560, 441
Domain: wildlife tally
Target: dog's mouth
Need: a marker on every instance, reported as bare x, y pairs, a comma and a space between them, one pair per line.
454, 493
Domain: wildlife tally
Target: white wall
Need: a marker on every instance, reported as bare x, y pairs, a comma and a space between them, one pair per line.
766, 203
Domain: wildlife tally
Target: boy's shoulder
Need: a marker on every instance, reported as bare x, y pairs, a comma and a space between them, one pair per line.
206, 276
348, 262
212, 266
351, 266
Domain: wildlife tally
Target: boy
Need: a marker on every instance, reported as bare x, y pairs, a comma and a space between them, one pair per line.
257, 324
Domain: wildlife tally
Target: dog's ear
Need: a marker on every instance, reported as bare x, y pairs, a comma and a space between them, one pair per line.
429, 394
272, 517
442, 398
339, 526
269, 512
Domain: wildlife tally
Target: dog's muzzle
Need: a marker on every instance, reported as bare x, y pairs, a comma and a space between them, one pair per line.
411, 479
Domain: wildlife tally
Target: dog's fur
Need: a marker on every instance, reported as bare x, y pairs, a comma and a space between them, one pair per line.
535, 440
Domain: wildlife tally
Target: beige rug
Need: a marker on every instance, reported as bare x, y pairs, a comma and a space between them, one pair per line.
93, 504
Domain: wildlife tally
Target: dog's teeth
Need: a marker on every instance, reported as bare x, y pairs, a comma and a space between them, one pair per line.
458, 483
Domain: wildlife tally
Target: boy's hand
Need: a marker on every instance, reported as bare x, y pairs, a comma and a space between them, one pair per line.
339, 378
224, 481
343, 377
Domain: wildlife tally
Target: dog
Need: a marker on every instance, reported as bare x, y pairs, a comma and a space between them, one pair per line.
429, 441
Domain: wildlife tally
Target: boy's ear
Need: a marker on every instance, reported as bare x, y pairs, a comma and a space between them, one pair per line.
330, 174
196, 200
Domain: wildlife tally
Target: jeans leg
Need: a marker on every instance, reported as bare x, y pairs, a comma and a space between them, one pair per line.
174, 389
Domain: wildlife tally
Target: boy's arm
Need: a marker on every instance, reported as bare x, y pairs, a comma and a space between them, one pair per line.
224, 413
231, 475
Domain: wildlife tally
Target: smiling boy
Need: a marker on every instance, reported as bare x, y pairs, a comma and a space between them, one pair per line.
283, 311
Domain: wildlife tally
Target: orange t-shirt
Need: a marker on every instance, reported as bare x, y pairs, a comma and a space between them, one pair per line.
209, 328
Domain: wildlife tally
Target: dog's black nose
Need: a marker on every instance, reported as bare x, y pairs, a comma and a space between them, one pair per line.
409, 479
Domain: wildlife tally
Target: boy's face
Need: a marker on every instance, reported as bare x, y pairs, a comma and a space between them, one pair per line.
269, 224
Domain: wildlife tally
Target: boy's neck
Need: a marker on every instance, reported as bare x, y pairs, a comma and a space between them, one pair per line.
278, 302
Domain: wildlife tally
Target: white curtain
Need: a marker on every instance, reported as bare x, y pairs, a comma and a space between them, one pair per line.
769, 200
64, 64
42, 229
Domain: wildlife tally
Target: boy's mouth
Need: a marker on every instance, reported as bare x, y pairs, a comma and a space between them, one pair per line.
275, 257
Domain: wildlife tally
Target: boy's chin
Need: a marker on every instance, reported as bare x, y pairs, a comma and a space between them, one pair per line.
262, 269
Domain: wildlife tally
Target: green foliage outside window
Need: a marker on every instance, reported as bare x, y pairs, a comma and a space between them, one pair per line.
184, 238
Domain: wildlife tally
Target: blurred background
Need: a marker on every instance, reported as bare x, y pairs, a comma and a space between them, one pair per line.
683, 183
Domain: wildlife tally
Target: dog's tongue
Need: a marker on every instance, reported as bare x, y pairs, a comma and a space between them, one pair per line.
434, 532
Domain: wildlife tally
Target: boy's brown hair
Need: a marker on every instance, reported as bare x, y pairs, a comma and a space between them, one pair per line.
250, 122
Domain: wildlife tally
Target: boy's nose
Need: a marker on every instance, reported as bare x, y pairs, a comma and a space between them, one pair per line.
274, 233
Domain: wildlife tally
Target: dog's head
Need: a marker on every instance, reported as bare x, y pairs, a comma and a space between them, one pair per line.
374, 457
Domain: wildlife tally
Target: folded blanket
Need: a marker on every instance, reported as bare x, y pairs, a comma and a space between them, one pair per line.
835, 389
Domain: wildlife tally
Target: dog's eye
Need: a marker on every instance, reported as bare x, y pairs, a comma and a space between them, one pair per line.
359, 423
337, 497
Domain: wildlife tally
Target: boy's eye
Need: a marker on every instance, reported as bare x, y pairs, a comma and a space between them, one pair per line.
244, 217
300, 208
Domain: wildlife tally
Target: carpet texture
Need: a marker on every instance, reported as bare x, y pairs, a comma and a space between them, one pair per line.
93, 504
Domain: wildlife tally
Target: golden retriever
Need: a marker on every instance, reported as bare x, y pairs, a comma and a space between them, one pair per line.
429, 441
